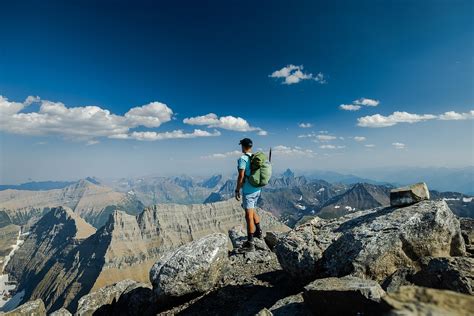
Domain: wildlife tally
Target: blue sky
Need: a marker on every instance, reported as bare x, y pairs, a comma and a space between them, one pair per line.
152, 65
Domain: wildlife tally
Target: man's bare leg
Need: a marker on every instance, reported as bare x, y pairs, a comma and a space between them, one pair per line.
256, 218
249, 218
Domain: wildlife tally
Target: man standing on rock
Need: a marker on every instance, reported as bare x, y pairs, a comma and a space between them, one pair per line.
250, 195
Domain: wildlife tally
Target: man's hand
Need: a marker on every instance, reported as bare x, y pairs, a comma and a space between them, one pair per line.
237, 195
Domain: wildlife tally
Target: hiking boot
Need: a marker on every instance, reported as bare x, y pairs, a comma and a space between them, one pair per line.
247, 246
258, 234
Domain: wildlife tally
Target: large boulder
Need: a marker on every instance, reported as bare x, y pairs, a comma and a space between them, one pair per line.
414, 300
378, 244
105, 297
343, 296
300, 250
409, 195
271, 239
61, 312
190, 269
31, 308
371, 244
455, 274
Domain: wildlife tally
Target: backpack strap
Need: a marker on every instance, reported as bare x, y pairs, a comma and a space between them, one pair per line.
250, 166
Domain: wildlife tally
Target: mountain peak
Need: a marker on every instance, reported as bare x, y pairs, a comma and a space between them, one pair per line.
288, 174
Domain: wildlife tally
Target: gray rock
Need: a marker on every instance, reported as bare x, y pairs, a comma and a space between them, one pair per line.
104, 297
31, 308
238, 236
409, 195
343, 296
371, 244
190, 269
455, 274
414, 300
376, 245
300, 250
402, 276
61, 312
264, 312
271, 239
291, 305
467, 229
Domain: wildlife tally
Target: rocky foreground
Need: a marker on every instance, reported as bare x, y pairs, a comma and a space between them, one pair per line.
411, 259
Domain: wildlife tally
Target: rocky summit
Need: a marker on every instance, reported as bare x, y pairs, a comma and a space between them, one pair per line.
404, 260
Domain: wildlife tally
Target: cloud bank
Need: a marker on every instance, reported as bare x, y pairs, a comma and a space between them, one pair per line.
86, 123
378, 120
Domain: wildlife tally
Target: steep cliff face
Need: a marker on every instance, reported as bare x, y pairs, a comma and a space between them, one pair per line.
124, 248
50, 240
92, 202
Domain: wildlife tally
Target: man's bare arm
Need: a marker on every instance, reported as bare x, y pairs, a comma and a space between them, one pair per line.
240, 183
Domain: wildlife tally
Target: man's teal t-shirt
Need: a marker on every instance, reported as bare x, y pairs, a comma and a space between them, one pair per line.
244, 163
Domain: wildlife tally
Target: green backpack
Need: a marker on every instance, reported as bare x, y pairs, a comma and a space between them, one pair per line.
260, 169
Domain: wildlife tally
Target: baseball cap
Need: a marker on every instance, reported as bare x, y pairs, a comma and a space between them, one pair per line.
247, 142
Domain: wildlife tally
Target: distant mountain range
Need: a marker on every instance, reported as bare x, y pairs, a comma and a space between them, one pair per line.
179, 189
287, 196
293, 198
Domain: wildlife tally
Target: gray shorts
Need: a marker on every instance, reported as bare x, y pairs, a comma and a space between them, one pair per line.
250, 200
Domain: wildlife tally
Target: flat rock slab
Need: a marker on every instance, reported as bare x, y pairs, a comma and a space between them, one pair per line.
190, 269
343, 296
409, 195
108, 295
31, 308
291, 305
414, 300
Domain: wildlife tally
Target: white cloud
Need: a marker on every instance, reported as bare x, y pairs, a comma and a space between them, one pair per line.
150, 115
232, 123
292, 74
331, 147
357, 104
151, 136
319, 137
92, 142
306, 135
366, 102
378, 120
325, 138
454, 116
305, 125
234, 153
369, 145
292, 151
320, 78
360, 138
86, 123
349, 107
399, 145
262, 133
